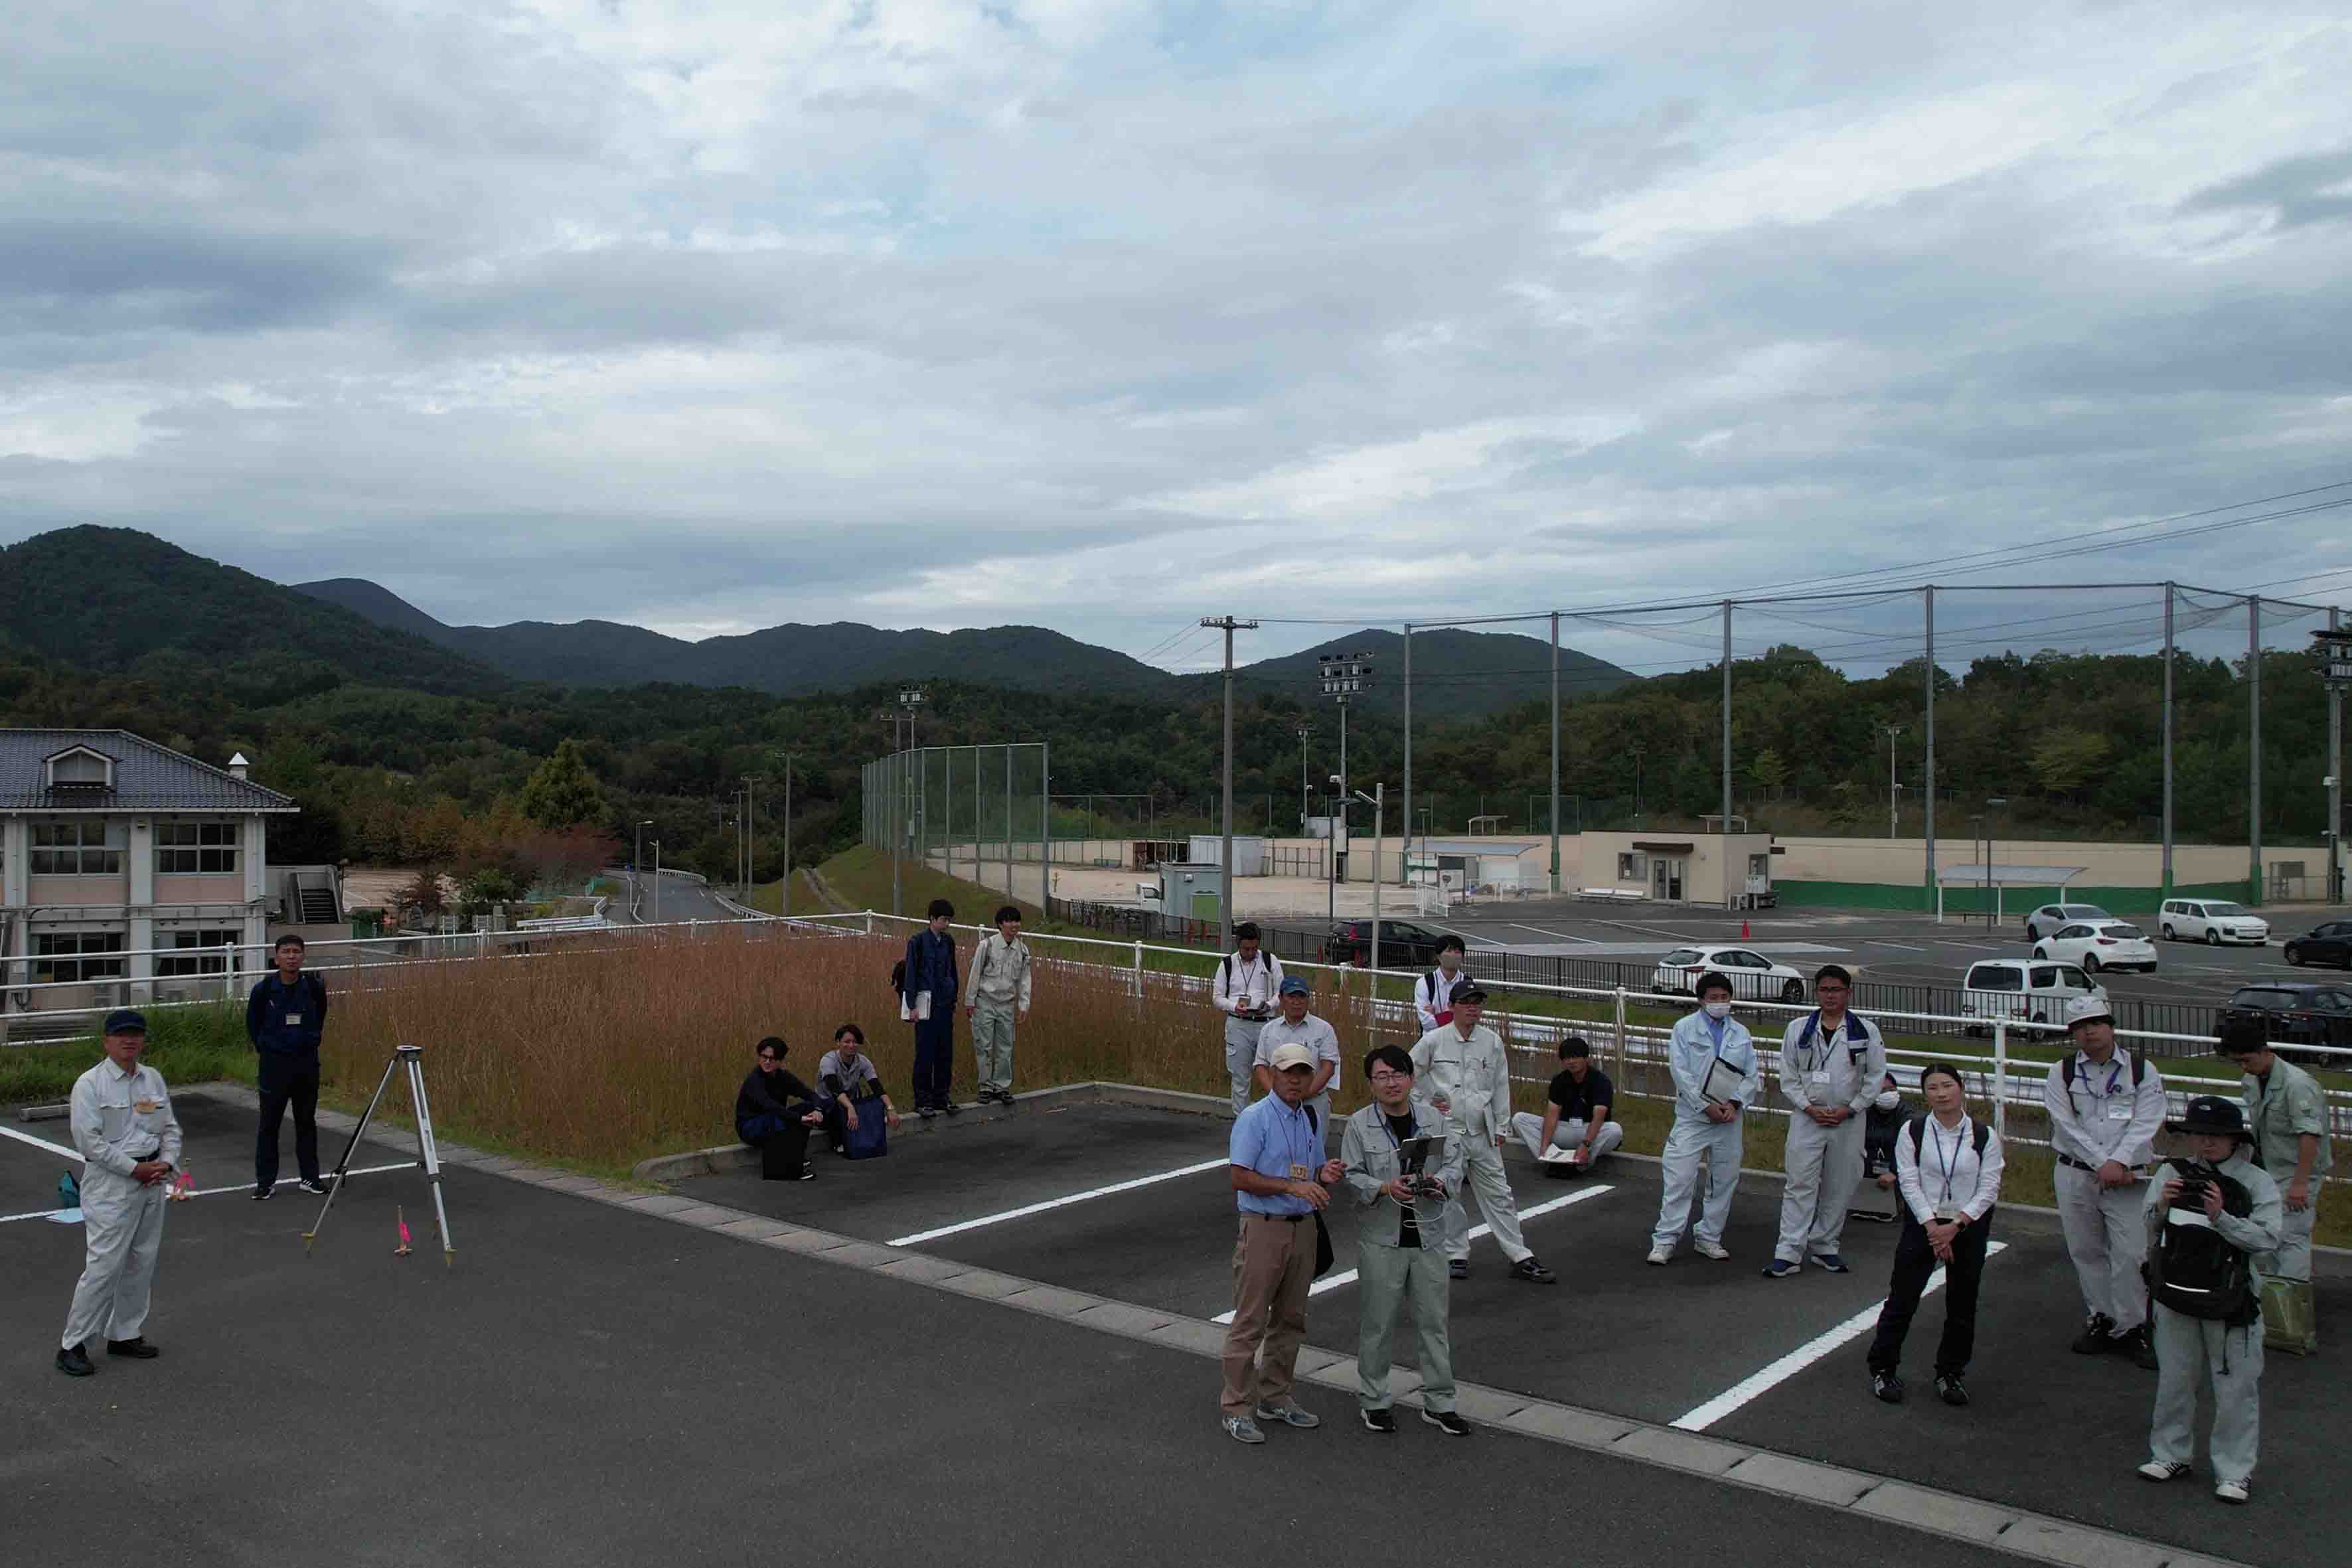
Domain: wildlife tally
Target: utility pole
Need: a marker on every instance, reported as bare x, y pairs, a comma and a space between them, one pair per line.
1344, 676
1893, 790
785, 895
636, 865
2335, 781
2167, 874
2255, 744
749, 849
1726, 724
1378, 801
1229, 625
1303, 734
1555, 753
910, 698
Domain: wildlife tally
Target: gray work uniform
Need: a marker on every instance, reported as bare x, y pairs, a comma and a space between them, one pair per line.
1000, 991
1474, 1077
1245, 987
1824, 1066
1697, 1044
2103, 1117
2278, 1113
1389, 1276
2188, 1348
118, 1119
1317, 1037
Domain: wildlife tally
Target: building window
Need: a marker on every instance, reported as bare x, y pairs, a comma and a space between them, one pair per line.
68, 956
1632, 868
188, 848
83, 847
1760, 865
197, 951
80, 769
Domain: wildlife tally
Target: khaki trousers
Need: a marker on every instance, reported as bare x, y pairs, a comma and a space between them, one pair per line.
1387, 1278
1273, 1265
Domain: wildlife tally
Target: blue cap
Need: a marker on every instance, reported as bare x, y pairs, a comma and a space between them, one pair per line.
126, 1021
1293, 985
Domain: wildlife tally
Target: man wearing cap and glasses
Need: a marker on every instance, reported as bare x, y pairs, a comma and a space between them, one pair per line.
1281, 1181
2107, 1106
1298, 1027
130, 1144
1243, 991
2201, 1326
1460, 1073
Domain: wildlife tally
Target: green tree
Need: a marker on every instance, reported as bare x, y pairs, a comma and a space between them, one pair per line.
1771, 772
2065, 760
562, 793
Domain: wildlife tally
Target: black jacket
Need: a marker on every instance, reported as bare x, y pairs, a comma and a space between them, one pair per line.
269, 1010
780, 1094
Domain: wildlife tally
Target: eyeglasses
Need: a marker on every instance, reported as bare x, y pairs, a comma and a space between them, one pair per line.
770, 1056
1384, 1076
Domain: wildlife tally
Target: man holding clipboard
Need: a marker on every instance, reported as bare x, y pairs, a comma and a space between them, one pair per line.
1715, 1077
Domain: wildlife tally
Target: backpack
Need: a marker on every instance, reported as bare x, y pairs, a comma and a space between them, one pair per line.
2194, 1270
2067, 1073
1979, 1132
898, 977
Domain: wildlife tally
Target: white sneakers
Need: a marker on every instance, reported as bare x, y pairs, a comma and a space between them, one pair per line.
2233, 1491
1710, 1249
1659, 1255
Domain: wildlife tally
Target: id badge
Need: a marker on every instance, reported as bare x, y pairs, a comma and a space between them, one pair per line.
1946, 1213
293, 1020
1820, 1076
147, 1107
1297, 1173
2119, 1112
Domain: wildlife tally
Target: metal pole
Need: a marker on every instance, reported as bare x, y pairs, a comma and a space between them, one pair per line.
1726, 741
1343, 782
897, 817
785, 898
656, 881
2166, 877
2000, 1076
1008, 821
2255, 744
1372, 989
1927, 766
2335, 783
1302, 781
1407, 840
1555, 753
1226, 851
1045, 826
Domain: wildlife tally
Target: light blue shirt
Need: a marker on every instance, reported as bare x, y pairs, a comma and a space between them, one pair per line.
1698, 1041
1270, 1138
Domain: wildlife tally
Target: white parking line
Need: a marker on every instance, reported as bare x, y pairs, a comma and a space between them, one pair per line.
40, 1142
214, 1192
1706, 1415
1348, 1276
1907, 947
1026, 1210
1556, 935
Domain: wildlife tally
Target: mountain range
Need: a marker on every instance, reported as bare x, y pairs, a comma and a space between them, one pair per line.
117, 599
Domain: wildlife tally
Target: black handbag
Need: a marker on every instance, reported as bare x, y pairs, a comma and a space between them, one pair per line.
1323, 1255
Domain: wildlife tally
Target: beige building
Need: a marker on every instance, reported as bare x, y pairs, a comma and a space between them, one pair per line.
1725, 869
126, 870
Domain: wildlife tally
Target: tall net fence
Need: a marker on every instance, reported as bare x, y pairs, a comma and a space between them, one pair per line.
979, 813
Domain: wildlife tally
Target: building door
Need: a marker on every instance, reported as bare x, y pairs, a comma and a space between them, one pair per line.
1666, 878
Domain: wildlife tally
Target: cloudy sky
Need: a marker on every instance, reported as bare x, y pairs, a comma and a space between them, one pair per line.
1105, 316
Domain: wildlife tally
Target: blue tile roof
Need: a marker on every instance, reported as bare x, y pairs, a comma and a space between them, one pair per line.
147, 777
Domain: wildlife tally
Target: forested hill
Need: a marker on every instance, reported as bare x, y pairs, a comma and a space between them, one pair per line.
117, 600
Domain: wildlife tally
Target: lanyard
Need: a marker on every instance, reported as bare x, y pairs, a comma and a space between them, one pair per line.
1953, 1159
1828, 1040
2114, 1076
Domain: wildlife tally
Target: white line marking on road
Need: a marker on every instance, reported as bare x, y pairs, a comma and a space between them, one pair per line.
1558, 935
40, 1142
1025, 1211
1348, 1276
1803, 1356
216, 1192
1905, 946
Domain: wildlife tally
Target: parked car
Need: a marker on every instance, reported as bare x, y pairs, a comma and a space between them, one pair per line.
2099, 944
2213, 921
2025, 991
1403, 945
2328, 943
2294, 1011
2050, 917
1752, 975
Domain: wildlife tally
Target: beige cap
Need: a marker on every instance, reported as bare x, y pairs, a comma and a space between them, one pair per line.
1285, 1057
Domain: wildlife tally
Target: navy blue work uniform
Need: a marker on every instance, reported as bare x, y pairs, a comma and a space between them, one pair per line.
932, 966
285, 1022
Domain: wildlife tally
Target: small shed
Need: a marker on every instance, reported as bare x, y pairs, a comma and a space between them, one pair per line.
1249, 853
1999, 879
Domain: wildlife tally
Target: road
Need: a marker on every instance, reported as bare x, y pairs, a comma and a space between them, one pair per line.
681, 898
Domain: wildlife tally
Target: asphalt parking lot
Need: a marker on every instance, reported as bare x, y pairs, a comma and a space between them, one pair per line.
1133, 1204
589, 1385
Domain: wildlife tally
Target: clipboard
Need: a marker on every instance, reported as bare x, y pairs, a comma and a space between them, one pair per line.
1723, 1083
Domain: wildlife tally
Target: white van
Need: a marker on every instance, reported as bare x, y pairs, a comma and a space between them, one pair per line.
2032, 991
2213, 921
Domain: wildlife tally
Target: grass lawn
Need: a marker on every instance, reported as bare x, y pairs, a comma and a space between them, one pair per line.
186, 1045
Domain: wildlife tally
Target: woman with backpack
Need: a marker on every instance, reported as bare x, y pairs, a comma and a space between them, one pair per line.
1948, 1168
2210, 1213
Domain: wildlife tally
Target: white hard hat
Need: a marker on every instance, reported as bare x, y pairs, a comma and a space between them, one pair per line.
2089, 1010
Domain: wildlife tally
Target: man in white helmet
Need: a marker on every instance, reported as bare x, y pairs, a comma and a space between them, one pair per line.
2107, 1106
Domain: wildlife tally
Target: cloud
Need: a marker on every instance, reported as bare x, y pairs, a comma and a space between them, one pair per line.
1105, 314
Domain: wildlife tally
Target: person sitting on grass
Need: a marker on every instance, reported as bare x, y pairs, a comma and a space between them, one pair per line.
849, 1078
773, 1112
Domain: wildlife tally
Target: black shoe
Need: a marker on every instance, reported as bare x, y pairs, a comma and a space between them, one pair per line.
1949, 1389
1447, 1422
1887, 1386
263, 1194
2093, 1340
74, 1362
925, 1111
1531, 1271
952, 1109
1379, 1421
136, 1348
313, 1185
808, 1172
2138, 1347
1457, 1268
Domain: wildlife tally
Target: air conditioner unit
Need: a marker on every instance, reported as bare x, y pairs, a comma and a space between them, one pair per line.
175, 994
108, 995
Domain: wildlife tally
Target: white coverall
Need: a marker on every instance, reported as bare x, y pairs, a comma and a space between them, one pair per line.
2105, 1117
1698, 1041
119, 1119
1474, 1075
1824, 1066
1245, 988
2190, 1348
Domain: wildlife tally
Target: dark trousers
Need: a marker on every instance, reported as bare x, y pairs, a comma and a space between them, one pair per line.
285, 1083
935, 1057
1914, 1260
783, 1143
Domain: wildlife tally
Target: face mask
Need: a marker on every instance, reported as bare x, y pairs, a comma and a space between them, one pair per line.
1888, 1100
1719, 1009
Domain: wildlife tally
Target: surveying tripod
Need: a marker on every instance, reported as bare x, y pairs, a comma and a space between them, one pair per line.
429, 1156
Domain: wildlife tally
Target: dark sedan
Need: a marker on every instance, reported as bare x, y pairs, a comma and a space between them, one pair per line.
1403, 945
2294, 1011
2330, 944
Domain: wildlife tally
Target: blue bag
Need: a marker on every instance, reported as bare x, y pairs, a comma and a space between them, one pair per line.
870, 1139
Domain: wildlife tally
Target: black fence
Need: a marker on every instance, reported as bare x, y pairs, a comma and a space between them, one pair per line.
1305, 943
